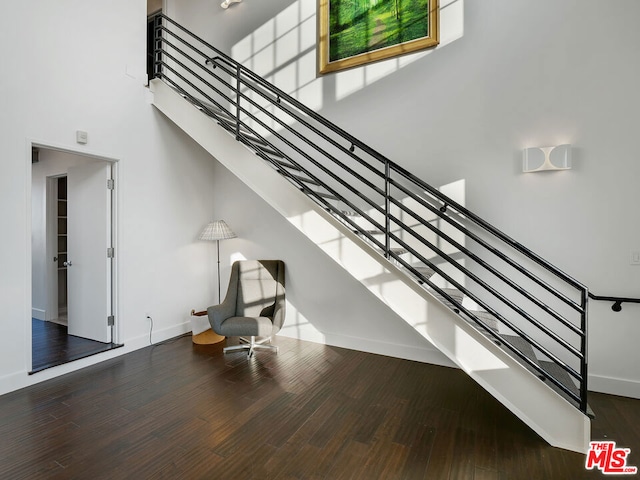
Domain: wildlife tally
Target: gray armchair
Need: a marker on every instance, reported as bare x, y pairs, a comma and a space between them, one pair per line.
254, 305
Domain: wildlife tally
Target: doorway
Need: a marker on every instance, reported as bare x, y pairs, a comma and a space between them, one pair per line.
72, 253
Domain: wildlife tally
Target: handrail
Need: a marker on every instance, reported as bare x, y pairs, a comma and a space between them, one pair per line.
617, 301
330, 164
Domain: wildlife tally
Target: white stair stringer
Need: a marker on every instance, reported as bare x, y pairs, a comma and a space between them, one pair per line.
534, 402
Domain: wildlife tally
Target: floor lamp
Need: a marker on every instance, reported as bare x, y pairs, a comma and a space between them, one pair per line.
217, 231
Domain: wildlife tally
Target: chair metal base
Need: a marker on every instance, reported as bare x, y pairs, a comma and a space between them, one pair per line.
251, 345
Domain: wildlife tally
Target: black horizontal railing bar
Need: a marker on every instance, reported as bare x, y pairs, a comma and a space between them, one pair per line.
283, 169
284, 124
193, 85
318, 165
447, 218
289, 144
301, 185
486, 266
425, 280
305, 188
327, 155
198, 103
488, 309
491, 248
316, 131
497, 338
195, 62
489, 267
524, 314
308, 173
186, 44
312, 194
284, 96
326, 187
257, 86
193, 99
484, 305
305, 171
487, 226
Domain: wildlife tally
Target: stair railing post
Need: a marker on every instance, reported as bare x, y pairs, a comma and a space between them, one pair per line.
387, 204
238, 73
157, 46
584, 302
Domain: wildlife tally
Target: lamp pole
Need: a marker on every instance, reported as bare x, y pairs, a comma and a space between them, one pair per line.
218, 248
217, 231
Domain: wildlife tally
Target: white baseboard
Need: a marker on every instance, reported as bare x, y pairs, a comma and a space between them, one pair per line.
38, 314
614, 386
597, 383
417, 354
18, 380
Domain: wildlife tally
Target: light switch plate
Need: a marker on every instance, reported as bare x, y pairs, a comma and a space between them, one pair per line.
81, 137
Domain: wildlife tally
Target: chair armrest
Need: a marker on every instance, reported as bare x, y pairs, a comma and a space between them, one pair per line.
219, 313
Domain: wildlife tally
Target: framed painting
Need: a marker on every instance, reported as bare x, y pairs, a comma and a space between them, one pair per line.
356, 32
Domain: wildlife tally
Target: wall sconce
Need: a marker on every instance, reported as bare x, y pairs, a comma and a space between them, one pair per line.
540, 159
228, 3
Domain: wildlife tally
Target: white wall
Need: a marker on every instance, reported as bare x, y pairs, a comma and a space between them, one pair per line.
80, 65
508, 75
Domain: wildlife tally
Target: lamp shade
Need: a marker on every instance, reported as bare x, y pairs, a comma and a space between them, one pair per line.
217, 230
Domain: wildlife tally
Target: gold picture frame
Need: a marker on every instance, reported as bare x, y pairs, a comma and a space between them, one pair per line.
371, 34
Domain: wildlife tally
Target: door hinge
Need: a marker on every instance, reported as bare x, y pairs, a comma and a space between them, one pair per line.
110, 184
111, 321
111, 252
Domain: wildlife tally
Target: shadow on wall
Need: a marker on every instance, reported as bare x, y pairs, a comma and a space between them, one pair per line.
283, 51
372, 274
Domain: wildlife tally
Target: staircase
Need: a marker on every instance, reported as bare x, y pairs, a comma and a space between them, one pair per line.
512, 321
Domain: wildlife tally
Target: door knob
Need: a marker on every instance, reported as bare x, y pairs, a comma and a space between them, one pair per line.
67, 264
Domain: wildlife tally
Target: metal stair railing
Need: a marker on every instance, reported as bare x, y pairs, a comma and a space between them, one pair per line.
506, 290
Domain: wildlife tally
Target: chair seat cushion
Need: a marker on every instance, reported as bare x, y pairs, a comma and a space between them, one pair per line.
246, 326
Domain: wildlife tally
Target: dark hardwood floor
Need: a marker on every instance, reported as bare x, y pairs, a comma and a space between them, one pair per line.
181, 411
52, 345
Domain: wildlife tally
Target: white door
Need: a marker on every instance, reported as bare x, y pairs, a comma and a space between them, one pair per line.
88, 237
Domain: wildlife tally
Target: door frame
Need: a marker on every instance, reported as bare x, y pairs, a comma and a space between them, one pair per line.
116, 336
